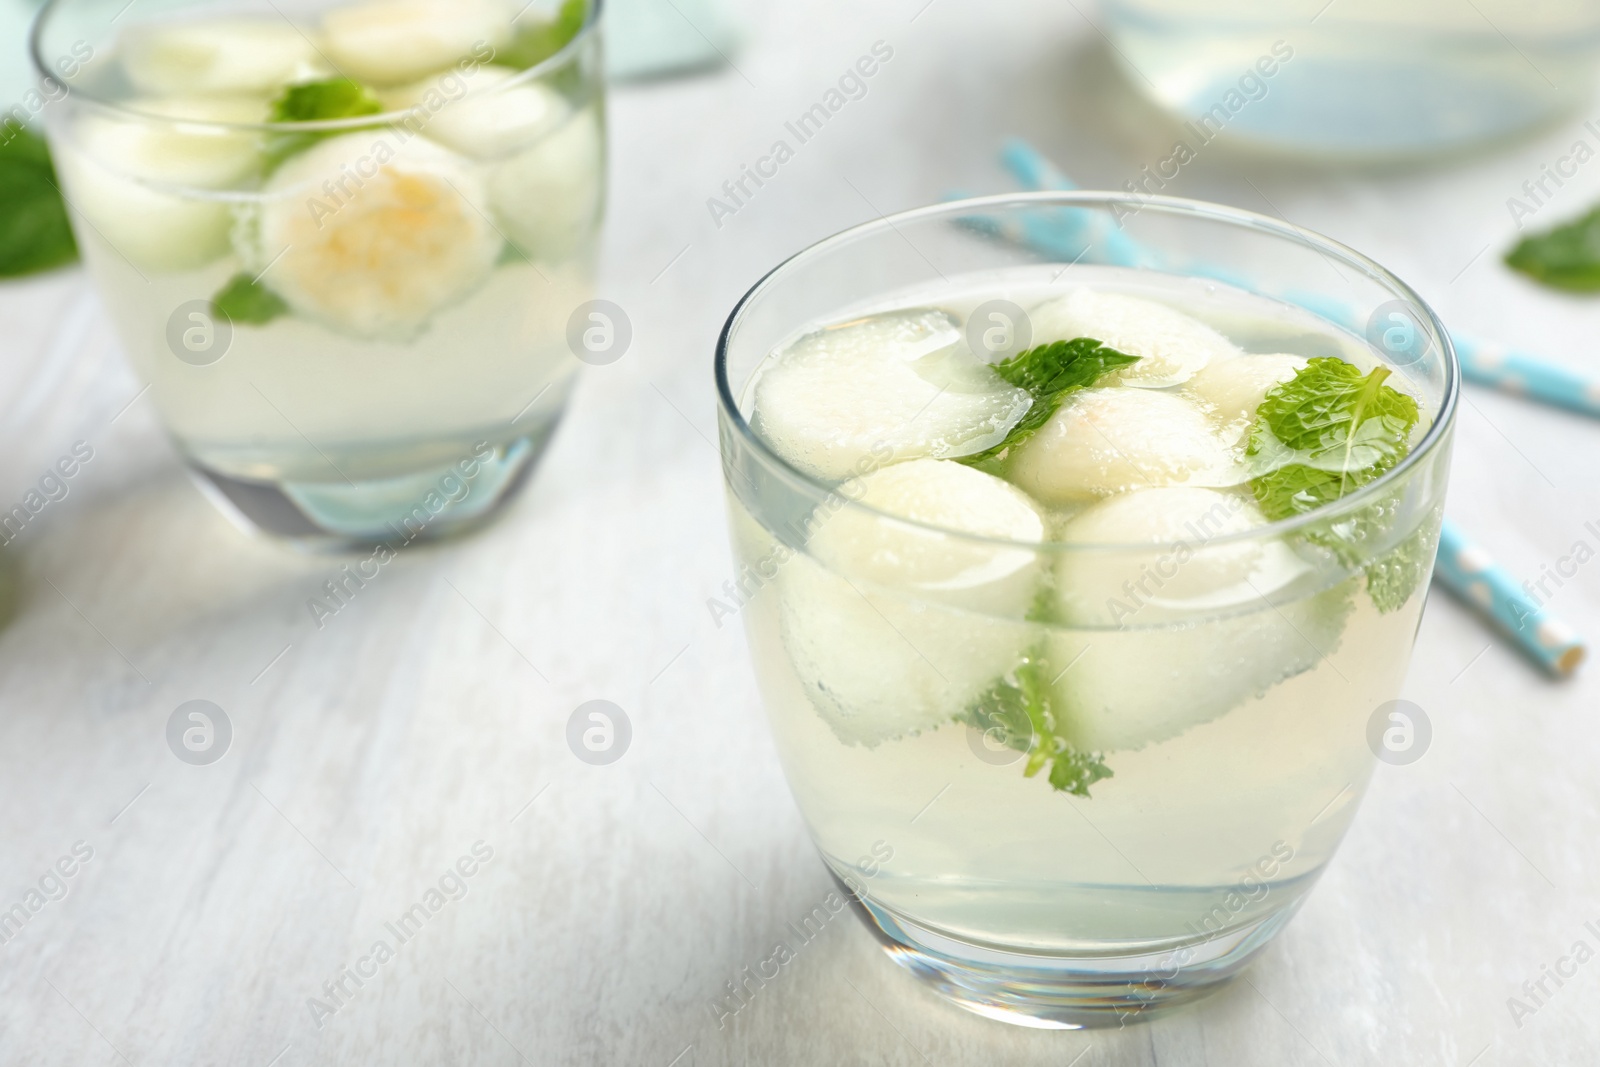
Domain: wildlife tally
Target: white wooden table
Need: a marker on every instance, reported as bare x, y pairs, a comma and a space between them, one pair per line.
368, 758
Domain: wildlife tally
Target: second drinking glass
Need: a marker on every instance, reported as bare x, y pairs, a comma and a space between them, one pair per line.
343, 247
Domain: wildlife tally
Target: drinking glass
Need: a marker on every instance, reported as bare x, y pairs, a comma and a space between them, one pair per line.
354, 329
1237, 734
1358, 79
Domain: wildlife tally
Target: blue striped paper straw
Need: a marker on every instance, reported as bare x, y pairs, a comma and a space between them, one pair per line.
1521, 374
1470, 573
1060, 233
1064, 233
1031, 168
1082, 228
1484, 363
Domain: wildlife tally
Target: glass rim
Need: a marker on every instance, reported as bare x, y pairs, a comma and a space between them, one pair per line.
1167, 205
560, 58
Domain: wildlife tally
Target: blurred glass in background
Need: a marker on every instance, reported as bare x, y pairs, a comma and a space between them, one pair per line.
1360, 78
16, 74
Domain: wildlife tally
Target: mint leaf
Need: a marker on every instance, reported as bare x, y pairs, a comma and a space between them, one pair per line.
244, 300
1393, 577
1050, 373
1326, 432
1018, 708
1074, 772
320, 101
512, 254
34, 232
1567, 257
1323, 434
536, 43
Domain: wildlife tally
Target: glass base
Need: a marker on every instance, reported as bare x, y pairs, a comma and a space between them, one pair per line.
423, 505
1066, 992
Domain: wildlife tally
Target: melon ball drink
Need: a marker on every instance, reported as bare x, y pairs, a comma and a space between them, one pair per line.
1072, 588
341, 242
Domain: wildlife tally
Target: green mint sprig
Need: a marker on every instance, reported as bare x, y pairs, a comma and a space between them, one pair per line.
245, 300
1393, 577
1050, 373
1327, 432
538, 41
1320, 436
319, 101
1019, 708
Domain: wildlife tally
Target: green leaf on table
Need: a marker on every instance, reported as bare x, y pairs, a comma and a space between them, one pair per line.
1050, 373
1320, 436
246, 301
34, 232
1567, 257
538, 41
319, 101
1018, 709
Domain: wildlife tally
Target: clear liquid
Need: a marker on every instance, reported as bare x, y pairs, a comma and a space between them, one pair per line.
292, 401
1219, 821
347, 411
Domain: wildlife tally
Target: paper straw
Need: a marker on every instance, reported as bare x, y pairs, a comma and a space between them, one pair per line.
1470, 573
1484, 363
1031, 168
1060, 233
1521, 374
